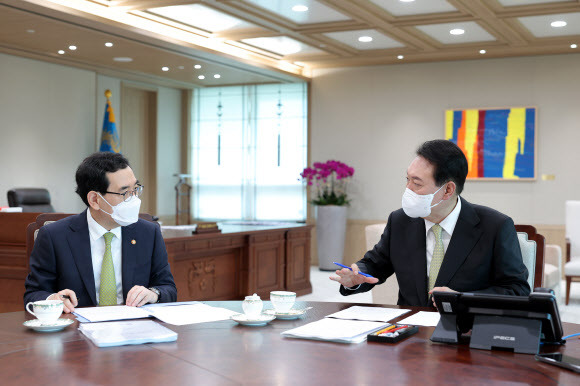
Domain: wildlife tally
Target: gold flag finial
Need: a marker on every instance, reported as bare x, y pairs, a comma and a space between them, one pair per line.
108, 93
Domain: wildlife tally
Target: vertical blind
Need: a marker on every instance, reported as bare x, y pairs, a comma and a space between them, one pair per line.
249, 145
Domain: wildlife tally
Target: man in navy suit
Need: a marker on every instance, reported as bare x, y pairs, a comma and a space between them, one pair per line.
440, 242
105, 255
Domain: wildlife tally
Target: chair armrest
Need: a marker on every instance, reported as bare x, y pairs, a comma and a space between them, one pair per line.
553, 256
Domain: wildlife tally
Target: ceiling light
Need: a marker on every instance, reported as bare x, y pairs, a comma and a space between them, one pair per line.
61, 52
164, 68
573, 45
108, 44
406, 1
72, 48
482, 51
30, 31
123, 59
400, 57
217, 76
457, 31
197, 66
365, 39
558, 24
300, 8
201, 77
181, 67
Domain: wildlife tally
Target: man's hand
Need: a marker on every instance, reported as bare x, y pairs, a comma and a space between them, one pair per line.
139, 295
69, 303
349, 278
439, 289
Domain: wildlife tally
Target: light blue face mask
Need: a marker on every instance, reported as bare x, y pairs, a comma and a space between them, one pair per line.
418, 205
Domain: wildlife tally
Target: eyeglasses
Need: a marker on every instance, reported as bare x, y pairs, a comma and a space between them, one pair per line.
138, 191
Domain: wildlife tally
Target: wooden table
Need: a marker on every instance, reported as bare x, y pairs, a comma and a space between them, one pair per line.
225, 353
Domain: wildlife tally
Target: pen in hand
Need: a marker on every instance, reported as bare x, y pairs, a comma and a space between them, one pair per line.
65, 297
359, 272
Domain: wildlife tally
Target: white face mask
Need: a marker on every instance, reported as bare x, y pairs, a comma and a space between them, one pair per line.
418, 205
125, 213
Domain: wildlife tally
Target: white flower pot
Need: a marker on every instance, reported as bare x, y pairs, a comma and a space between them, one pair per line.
330, 235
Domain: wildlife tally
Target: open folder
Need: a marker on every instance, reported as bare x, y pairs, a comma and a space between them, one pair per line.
110, 334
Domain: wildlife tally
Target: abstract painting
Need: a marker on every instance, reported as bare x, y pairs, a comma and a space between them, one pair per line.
498, 143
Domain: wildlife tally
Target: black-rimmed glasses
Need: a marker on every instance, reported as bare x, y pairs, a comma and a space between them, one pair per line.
130, 193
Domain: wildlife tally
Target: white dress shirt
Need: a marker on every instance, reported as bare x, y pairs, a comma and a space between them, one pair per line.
448, 225
96, 232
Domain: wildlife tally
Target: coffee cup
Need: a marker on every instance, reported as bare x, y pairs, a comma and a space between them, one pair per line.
47, 311
282, 300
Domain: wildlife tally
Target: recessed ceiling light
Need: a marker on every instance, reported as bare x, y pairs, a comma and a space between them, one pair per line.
482, 51
61, 52
164, 68
181, 67
322, 45
400, 57
457, 31
72, 48
300, 8
30, 31
406, 1
217, 76
365, 39
558, 24
108, 44
573, 45
123, 59
201, 77
197, 66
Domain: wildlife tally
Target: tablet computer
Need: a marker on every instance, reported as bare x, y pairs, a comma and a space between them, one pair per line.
561, 360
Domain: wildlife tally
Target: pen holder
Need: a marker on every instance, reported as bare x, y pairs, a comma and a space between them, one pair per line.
394, 337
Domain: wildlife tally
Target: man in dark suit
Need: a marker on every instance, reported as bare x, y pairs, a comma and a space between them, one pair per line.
105, 255
440, 242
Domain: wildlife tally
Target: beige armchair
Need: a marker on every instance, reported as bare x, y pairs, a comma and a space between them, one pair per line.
572, 267
553, 268
388, 292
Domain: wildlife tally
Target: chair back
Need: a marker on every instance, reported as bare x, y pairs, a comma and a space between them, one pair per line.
532, 246
30, 200
573, 227
388, 292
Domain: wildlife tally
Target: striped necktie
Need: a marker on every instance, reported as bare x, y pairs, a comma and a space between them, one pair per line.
108, 287
438, 255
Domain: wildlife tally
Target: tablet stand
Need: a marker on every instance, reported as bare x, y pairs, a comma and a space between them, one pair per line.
446, 330
521, 335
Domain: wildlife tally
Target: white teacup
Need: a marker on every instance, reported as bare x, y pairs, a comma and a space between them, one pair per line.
47, 311
282, 300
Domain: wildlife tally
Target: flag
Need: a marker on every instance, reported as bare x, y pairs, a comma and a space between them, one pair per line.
110, 136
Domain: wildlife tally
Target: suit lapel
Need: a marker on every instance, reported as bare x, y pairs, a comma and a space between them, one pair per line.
417, 227
128, 256
465, 236
80, 245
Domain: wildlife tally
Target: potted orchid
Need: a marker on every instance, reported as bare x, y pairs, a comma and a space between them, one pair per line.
329, 181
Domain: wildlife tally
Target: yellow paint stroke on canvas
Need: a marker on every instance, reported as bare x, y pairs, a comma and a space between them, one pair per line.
471, 122
448, 124
516, 135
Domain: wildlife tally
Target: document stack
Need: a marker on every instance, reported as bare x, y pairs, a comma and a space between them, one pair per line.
109, 334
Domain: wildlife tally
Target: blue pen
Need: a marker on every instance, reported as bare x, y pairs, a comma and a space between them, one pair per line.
359, 272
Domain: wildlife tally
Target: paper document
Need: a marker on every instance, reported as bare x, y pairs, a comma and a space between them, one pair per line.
108, 313
379, 314
335, 330
127, 332
422, 318
189, 314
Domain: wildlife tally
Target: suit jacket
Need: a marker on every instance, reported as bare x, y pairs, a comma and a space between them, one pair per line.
483, 256
61, 258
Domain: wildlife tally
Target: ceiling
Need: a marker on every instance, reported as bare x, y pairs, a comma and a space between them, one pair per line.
265, 41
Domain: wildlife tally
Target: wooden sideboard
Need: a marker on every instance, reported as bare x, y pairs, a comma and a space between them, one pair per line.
239, 261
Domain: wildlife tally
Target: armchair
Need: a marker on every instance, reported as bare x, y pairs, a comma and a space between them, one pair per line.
572, 266
30, 199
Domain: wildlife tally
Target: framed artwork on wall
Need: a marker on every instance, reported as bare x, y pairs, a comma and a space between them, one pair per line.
499, 143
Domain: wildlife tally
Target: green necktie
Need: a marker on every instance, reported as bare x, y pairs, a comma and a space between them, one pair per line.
438, 255
108, 288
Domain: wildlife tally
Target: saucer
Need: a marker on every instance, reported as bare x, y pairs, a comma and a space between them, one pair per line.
60, 324
261, 320
292, 314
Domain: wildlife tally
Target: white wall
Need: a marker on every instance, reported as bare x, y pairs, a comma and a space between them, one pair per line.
374, 118
51, 118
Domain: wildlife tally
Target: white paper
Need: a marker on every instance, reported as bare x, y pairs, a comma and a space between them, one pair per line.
108, 313
109, 334
379, 314
335, 330
192, 313
422, 318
